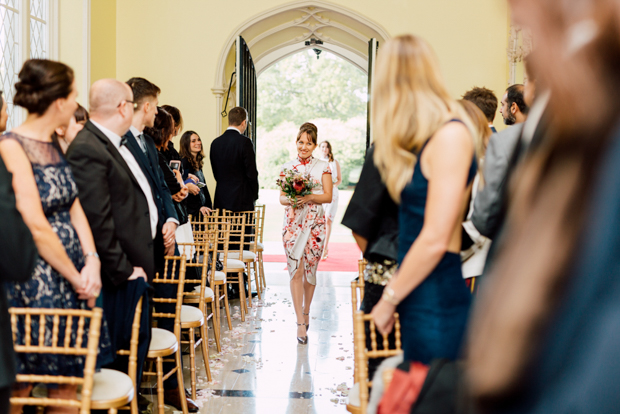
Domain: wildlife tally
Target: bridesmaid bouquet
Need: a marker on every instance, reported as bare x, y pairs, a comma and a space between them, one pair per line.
295, 184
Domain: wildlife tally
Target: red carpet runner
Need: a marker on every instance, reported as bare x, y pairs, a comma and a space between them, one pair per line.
343, 257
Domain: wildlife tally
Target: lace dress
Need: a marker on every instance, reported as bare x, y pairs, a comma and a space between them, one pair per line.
304, 233
47, 288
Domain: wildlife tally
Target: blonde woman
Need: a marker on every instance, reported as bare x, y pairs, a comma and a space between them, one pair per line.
425, 153
304, 227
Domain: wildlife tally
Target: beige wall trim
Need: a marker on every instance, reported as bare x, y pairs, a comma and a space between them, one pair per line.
54, 37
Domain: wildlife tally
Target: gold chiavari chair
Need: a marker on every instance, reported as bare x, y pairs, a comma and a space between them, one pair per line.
247, 252
357, 286
112, 389
195, 319
199, 227
359, 394
235, 268
260, 246
202, 295
165, 344
47, 323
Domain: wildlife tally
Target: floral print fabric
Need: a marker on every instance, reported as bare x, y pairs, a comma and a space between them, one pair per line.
303, 233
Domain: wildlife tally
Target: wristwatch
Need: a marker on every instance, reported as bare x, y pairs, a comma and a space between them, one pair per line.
389, 296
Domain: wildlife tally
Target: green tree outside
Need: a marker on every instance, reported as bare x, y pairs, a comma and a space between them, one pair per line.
328, 92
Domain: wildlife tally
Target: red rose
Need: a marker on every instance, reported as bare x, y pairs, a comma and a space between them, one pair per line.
298, 185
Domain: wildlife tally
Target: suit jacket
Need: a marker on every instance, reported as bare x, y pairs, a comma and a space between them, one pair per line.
150, 166
490, 202
114, 204
234, 167
18, 255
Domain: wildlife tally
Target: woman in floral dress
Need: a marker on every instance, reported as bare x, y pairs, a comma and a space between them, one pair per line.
304, 226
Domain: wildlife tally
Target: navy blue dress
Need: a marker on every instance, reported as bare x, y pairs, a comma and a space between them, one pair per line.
434, 315
47, 288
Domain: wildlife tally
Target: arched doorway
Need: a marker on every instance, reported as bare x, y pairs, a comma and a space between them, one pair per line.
284, 30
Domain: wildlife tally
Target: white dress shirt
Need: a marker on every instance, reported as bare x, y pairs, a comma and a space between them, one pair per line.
235, 128
137, 173
135, 132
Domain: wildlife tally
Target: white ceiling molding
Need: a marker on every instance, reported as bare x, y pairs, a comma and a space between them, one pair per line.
344, 41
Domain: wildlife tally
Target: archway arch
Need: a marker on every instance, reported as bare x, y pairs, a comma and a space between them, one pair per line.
282, 31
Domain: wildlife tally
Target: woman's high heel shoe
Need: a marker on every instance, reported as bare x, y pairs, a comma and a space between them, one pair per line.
308, 324
303, 340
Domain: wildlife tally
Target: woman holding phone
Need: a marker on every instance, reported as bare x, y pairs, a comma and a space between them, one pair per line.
192, 158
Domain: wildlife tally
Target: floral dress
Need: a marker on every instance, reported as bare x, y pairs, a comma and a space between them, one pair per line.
47, 288
304, 227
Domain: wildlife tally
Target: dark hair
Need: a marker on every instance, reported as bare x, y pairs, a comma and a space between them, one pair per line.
1, 101
41, 82
142, 89
237, 115
484, 99
311, 130
81, 114
515, 95
329, 146
176, 115
186, 152
162, 129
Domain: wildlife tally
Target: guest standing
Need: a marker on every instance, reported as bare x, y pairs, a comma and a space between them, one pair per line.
304, 227
18, 256
486, 100
332, 208
234, 165
372, 216
425, 152
192, 158
64, 135
119, 204
67, 273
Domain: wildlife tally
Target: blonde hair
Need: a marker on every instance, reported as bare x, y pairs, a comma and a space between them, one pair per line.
409, 104
480, 123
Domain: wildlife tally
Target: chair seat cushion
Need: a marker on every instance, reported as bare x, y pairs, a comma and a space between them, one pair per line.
110, 384
247, 256
219, 276
260, 246
354, 395
234, 264
191, 314
161, 339
208, 293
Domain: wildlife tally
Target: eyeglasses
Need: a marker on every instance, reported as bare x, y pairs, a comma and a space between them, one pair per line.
135, 105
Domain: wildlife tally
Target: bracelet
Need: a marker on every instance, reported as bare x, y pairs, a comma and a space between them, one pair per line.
93, 254
389, 296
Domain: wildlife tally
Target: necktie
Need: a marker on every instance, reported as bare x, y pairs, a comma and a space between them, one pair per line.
123, 141
142, 143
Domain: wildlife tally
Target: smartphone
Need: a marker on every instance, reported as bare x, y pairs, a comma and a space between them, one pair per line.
175, 165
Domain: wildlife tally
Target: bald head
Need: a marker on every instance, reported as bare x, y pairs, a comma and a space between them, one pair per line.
110, 105
106, 94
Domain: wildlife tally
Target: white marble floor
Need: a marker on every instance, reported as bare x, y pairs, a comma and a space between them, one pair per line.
262, 368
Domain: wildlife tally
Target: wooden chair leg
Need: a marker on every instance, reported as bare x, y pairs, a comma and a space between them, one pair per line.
160, 385
227, 309
249, 298
205, 350
257, 280
262, 270
179, 362
192, 361
112, 411
216, 328
216, 297
242, 302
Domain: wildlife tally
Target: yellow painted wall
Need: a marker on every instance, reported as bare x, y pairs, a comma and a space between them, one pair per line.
177, 44
102, 39
71, 43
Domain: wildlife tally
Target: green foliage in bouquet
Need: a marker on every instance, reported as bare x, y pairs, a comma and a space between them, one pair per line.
295, 184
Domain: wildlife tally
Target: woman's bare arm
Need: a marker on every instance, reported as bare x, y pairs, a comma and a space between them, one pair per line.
339, 180
92, 268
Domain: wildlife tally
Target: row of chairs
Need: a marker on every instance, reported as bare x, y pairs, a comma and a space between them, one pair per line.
113, 390
359, 394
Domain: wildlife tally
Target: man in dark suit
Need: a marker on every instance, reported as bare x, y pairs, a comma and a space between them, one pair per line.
120, 208
18, 255
145, 97
234, 165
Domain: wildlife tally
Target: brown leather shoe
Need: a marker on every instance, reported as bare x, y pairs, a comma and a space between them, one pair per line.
172, 397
